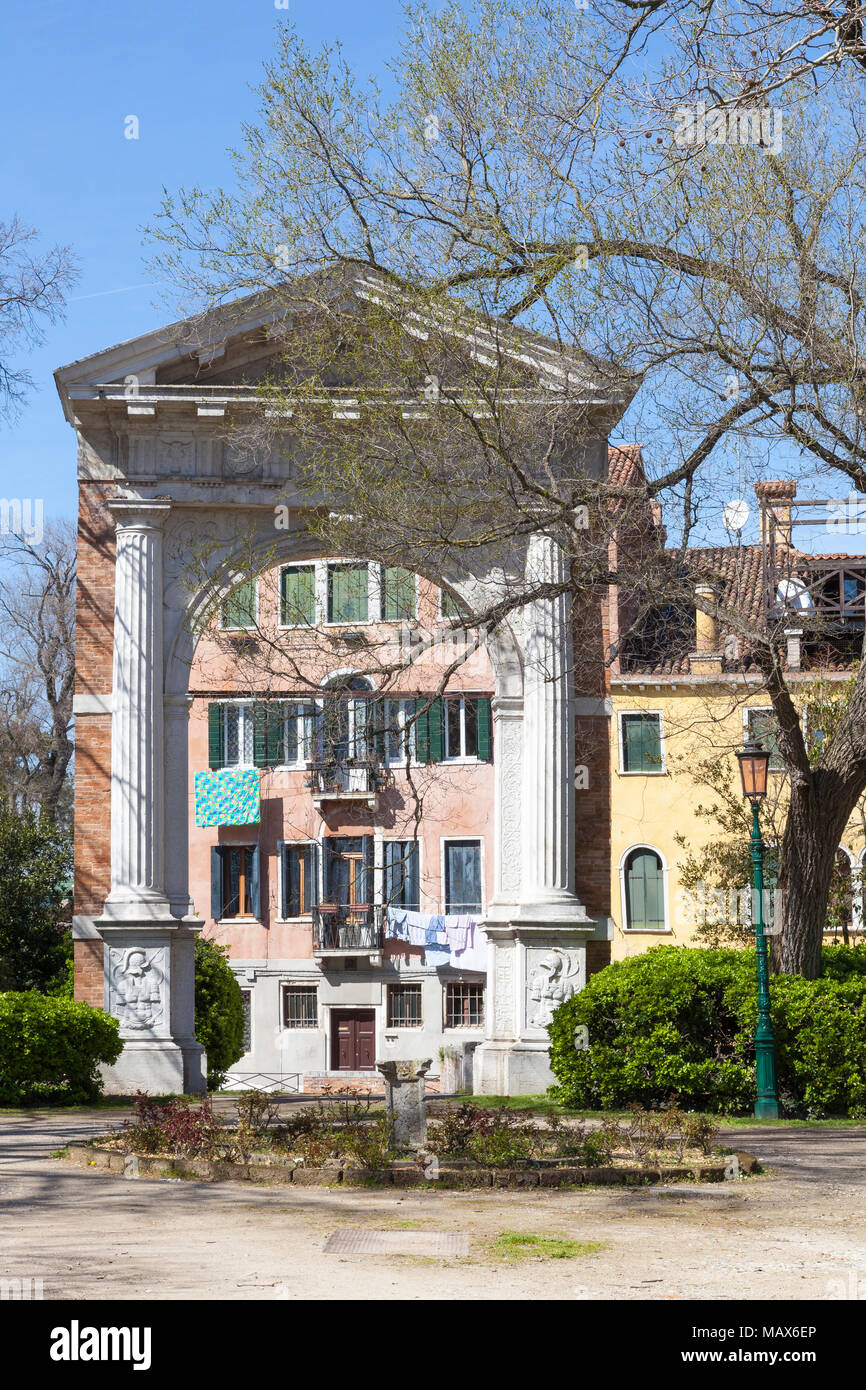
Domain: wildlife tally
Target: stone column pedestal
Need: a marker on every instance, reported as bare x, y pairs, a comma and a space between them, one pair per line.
404, 1098
538, 955
149, 952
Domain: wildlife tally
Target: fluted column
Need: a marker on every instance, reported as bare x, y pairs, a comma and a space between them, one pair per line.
548, 739
137, 752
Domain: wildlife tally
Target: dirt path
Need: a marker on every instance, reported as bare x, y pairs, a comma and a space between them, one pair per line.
798, 1232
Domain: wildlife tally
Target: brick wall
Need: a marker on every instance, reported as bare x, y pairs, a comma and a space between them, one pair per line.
597, 956
94, 622
89, 986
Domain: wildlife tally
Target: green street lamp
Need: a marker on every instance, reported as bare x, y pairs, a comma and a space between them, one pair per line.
754, 761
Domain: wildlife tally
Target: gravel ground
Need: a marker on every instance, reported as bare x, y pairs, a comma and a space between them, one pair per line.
798, 1231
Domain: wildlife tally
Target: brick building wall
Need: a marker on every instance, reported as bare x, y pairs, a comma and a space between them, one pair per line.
94, 622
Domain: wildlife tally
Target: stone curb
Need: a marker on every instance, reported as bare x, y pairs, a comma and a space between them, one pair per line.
448, 1177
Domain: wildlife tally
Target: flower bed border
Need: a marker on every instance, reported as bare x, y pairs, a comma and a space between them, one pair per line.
552, 1173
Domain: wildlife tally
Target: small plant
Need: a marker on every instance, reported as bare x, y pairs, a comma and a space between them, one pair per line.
256, 1112
172, 1127
597, 1148
371, 1144
700, 1133
518, 1245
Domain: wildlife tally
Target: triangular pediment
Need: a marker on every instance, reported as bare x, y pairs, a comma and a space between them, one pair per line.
244, 342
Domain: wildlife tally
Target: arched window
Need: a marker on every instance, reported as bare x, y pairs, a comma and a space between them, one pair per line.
644, 890
347, 723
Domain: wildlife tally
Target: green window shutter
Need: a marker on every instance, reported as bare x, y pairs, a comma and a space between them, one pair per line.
347, 594
298, 596
216, 883
485, 731
641, 743
422, 736
398, 593
260, 734
239, 609
437, 731
275, 733
645, 900
215, 726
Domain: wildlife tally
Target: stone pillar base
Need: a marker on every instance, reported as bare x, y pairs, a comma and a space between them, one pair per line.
159, 1067
512, 1069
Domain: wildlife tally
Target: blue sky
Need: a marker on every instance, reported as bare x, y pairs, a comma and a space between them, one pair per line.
72, 74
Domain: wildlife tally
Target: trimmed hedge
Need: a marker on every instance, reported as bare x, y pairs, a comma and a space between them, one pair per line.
678, 1023
51, 1048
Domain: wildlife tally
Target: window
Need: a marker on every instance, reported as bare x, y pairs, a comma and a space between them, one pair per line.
464, 1006
300, 1006
763, 727
300, 732
404, 1006
462, 876
300, 879
461, 726
347, 724
235, 887
399, 730
247, 1002
398, 593
402, 888
298, 596
348, 597
644, 890
239, 609
641, 743
237, 736
447, 605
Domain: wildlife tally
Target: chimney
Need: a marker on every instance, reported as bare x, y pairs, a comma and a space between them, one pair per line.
775, 498
706, 659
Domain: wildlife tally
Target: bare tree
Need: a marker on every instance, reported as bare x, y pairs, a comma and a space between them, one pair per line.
34, 284
37, 671
524, 174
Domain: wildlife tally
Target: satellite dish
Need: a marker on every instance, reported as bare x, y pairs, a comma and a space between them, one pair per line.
794, 594
736, 514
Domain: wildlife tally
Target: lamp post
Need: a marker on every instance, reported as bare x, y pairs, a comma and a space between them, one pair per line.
754, 761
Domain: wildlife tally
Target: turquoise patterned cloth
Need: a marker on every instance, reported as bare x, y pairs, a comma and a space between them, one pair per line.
228, 797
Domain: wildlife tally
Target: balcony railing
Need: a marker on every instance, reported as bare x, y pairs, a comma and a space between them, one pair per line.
340, 927
355, 780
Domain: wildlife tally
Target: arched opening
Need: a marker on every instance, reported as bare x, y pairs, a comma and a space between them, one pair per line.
643, 890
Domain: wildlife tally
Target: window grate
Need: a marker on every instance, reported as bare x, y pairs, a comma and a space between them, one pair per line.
464, 1006
300, 1006
404, 1006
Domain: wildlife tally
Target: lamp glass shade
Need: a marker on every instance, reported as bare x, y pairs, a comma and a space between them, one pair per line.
754, 761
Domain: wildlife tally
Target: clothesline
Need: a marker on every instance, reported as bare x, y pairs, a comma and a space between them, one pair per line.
458, 936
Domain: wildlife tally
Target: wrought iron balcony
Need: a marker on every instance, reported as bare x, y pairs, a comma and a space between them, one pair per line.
340, 929
354, 780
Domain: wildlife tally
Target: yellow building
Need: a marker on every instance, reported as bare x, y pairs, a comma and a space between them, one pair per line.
684, 699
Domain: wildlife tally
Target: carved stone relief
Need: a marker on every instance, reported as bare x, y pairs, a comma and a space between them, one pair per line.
137, 988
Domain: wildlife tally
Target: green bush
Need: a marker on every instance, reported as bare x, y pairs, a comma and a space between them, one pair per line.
51, 1048
35, 886
677, 1024
219, 1010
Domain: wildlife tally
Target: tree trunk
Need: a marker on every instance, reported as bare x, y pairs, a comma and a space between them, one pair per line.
816, 820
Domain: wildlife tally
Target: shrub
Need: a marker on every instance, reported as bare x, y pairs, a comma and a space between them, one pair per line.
172, 1127
35, 886
219, 1010
678, 1024
51, 1048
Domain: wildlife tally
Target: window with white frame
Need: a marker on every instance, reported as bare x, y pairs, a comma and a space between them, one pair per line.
461, 726
238, 735
300, 738
398, 594
463, 893
348, 593
464, 1005
399, 731
641, 742
643, 886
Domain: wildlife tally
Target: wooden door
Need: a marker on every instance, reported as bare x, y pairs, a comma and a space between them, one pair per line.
353, 1044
